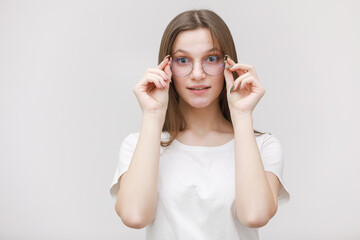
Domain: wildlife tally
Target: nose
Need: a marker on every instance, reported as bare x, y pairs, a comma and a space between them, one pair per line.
197, 72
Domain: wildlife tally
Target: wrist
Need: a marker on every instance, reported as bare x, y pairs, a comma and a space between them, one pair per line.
242, 121
154, 119
238, 115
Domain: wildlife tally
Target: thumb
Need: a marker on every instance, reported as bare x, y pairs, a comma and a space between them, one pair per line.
167, 70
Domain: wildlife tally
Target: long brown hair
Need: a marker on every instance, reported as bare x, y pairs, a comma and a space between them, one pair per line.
189, 20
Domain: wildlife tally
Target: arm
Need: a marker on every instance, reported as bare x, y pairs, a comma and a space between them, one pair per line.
256, 191
137, 197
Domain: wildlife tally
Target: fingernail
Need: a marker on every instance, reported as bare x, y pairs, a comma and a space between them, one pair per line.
230, 66
227, 56
232, 88
166, 56
239, 87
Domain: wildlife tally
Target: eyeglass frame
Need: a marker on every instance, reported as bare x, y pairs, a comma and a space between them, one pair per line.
202, 67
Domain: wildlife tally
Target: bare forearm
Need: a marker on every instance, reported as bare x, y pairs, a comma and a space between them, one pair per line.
138, 191
253, 195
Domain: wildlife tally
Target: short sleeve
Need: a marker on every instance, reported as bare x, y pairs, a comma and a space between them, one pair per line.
126, 152
272, 156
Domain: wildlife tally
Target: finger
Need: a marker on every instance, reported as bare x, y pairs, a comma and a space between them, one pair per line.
148, 78
164, 62
159, 78
238, 67
237, 85
160, 72
238, 81
255, 81
156, 82
246, 82
229, 78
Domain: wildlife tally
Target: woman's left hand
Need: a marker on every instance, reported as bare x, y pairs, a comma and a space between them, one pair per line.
246, 90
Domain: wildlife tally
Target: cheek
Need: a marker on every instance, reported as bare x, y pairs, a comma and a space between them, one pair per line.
176, 83
220, 86
220, 82
178, 86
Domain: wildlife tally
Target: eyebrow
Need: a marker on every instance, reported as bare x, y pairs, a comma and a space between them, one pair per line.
210, 50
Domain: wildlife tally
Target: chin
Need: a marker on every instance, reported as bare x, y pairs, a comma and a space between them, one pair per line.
199, 103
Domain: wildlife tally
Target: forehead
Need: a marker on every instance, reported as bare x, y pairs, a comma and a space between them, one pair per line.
197, 41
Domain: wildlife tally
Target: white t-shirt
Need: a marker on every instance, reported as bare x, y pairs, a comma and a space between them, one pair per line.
196, 188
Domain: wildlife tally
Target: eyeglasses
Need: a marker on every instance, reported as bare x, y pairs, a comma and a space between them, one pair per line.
212, 66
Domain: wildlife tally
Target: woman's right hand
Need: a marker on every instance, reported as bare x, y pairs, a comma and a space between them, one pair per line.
152, 92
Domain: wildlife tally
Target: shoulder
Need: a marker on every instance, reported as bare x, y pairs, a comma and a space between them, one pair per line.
267, 139
129, 141
133, 137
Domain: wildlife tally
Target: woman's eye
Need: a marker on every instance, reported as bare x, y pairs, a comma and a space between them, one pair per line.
182, 60
213, 58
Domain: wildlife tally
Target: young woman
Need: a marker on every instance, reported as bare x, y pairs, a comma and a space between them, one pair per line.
197, 169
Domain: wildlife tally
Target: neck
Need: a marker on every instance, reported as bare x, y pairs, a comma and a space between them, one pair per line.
201, 121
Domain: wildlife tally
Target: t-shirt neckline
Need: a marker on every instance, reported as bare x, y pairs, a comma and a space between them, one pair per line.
205, 148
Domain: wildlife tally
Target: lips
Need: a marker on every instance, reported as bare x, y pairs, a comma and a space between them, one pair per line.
199, 90
198, 87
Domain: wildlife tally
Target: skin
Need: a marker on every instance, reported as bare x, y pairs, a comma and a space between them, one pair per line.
256, 190
205, 122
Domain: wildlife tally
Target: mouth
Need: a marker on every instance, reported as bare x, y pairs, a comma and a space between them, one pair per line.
199, 88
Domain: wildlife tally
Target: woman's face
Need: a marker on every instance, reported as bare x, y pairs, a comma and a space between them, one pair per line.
196, 46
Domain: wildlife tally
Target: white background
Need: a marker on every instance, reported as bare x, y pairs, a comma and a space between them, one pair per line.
67, 72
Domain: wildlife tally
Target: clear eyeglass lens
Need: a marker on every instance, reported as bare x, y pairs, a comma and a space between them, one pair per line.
181, 66
212, 65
